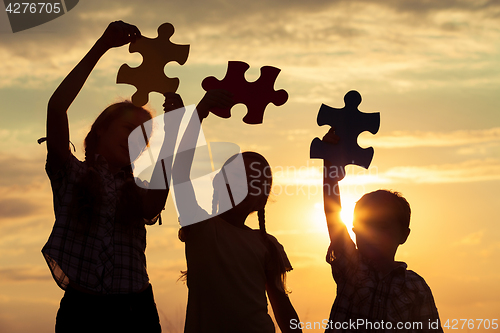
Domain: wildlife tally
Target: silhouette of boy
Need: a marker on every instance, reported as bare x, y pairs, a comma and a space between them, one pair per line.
375, 293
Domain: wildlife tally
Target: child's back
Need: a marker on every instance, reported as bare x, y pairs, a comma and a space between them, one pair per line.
228, 267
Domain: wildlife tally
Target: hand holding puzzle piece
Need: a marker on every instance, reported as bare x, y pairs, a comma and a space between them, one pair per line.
349, 122
150, 75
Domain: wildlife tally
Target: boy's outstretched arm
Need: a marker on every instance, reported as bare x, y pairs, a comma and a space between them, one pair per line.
116, 34
340, 240
283, 310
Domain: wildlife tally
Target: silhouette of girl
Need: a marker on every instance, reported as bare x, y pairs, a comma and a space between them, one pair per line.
230, 266
96, 248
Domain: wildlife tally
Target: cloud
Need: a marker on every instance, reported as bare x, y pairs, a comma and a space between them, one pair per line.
25, 192
19, 171
485, 249
304, 260
404, 139
471, 239
468, 171
24, 273
106, 16
490, 250
377, 35
428, 6
310, 175
16, 207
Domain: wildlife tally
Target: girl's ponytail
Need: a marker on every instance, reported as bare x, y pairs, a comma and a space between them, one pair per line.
261, 214
278, 272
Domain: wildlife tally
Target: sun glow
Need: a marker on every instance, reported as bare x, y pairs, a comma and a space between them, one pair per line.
319, 217
346, 215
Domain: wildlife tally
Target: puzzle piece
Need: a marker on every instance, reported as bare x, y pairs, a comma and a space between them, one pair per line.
150, 75
348, 122
255, 95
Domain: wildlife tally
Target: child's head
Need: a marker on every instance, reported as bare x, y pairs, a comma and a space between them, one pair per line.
381, 223
259, 181
109, 133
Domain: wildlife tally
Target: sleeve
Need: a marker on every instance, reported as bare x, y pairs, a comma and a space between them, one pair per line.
153, 220
343, 247
68, 173
143, 189
66, 169
343, 263
281, 255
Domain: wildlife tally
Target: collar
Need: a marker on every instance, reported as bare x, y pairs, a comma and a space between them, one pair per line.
399, 268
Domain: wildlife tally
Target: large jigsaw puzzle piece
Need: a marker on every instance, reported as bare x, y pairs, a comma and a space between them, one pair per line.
150, 75
255, 95
348, 122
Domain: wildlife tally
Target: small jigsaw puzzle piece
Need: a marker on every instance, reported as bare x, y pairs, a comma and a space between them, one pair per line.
255, 95
348, 122
150, 75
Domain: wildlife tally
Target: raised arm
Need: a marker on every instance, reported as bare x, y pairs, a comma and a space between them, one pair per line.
332, 174
185, 195
117, 34
155, 199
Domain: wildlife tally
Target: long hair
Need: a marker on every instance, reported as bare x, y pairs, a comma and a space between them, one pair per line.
87, 198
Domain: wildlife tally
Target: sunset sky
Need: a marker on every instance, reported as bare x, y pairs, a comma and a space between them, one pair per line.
431, 68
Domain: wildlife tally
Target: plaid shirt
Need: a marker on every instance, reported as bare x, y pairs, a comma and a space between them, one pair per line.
368, 302
108, 259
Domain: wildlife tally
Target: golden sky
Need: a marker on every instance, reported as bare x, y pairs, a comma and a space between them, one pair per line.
431, 68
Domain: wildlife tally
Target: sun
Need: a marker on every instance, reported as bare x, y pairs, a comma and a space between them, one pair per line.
346, 214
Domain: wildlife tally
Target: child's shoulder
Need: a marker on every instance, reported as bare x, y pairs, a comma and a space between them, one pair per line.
275, 242
416, 282
71, 165
280, 250
272, 238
